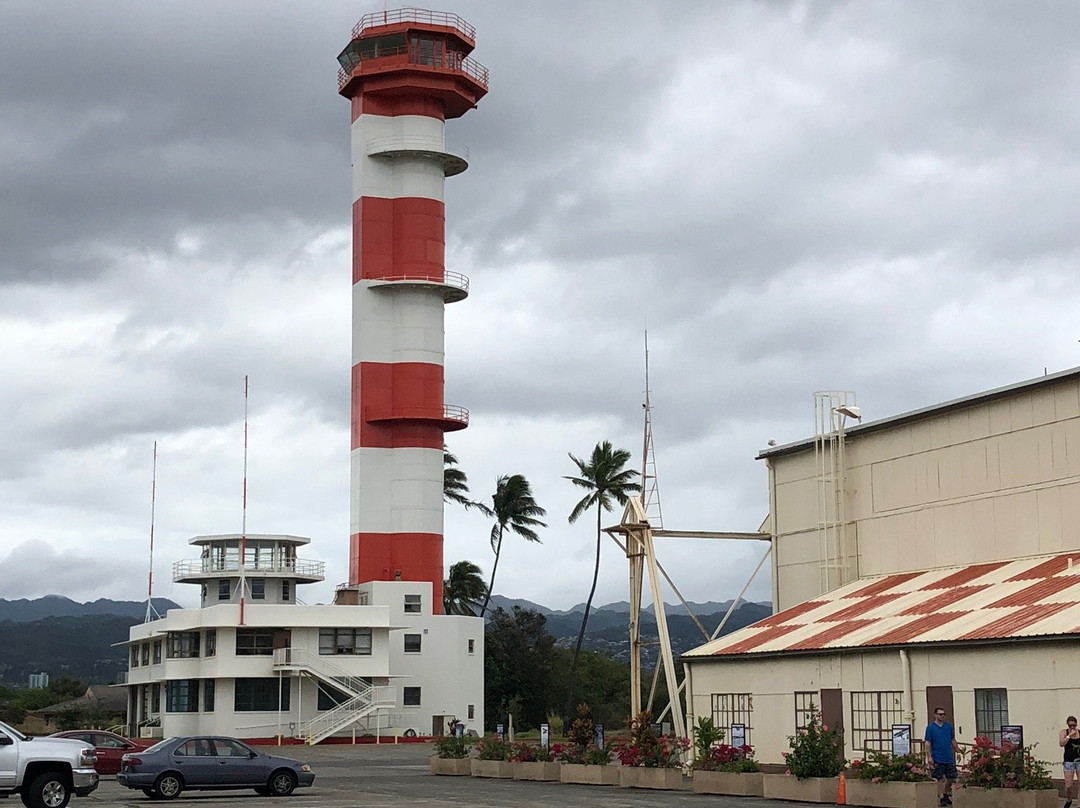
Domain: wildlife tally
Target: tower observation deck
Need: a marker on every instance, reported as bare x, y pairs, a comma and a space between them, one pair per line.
405, 72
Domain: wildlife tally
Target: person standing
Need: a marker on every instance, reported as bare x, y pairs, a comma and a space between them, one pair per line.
941, 748
1069, 740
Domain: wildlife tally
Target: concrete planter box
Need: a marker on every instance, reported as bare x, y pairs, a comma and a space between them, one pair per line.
790, 787
588, 775
641, 777
451, 766
502, 769
1004, 798
745, 784
892, 795
536, 770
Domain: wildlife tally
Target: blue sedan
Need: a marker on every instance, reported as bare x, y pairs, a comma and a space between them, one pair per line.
209, 762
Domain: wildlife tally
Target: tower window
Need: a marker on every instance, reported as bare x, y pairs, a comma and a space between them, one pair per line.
345, 641
254, 641
412, 643
258, 589
286, 591
472, 711
412, 604
223, 589
472, 646
410, 696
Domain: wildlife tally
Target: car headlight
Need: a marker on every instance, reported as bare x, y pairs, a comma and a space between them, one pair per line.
305, 768
87, 757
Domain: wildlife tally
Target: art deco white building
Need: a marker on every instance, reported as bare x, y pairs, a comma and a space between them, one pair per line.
378, 660
930, 558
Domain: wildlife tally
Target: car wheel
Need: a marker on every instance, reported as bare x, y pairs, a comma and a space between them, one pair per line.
48, 790
409, 733
168, 786
282, 783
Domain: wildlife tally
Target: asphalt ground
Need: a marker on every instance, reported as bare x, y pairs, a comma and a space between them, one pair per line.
397, 776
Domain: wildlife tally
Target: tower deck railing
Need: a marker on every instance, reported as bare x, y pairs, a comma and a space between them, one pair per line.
200, 566
470, 67
377, 19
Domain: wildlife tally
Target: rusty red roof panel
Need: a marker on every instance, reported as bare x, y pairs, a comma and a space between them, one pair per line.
789, 614
909, 631
1012, 622
861, 607
965, 575
759, 638
1052, 566
946, 598
888, 582
831, 634
1030, 595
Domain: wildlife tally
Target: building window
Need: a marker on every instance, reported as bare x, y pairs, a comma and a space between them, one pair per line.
412, 604
261, 695
872, 717
211, 642
412, 643
145, 654
144, 702
182, 696
330, 697
182, 644
223, 589
472, 711
205, 592
157, 652
805, 706
254, 641
472, 646
991, 712
345, 641
733, 708
155, 698
258, 589
134, 656
410, 696
208, 696
286, 591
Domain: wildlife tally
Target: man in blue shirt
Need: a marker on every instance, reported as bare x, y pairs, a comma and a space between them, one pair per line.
941, 748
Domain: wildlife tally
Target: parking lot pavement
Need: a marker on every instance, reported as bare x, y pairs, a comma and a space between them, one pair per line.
397, 776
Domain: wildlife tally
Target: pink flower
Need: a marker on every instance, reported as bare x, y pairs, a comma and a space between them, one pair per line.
787, 773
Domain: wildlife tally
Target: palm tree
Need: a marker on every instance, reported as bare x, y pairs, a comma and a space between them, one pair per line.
607, 482
512, 507
455, 484
463, 589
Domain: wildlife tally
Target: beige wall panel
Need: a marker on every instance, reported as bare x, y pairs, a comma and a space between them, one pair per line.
798, 548
874, 547
799, 466
940, 432
1059, 456
1021, 411
881, 446
978, 422
1070, 516
895, 483
1072, 447
959, 427
798, 583
1000, 416
796, 506
920, 548
1043, 410
973, 469
1048, 519
1019, 459
1067, 400
920, 436
953, 529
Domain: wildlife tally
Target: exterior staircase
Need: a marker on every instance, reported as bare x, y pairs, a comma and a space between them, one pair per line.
364, 699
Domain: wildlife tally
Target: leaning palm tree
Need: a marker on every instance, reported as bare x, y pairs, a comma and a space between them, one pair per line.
455, 485
463, 589
607, 482
513, 507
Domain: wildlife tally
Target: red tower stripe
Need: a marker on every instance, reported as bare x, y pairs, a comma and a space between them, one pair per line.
379, 556
397, 405
398, 237
389, 105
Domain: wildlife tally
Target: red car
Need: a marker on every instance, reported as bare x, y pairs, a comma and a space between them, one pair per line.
109, 746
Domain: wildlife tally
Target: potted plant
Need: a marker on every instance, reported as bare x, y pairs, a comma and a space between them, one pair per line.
891, 781
492, 758
581, 760
533, 762
649, 760
451, 756
720, 768
1004, 776
813, 765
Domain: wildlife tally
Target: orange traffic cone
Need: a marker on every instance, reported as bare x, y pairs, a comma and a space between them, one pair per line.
841, 791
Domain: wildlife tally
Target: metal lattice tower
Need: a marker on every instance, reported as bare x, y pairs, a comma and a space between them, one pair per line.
650, 485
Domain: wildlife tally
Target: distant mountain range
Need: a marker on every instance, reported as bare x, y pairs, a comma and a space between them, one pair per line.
25, 611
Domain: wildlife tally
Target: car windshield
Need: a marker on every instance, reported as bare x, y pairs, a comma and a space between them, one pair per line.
159, 745
12, 731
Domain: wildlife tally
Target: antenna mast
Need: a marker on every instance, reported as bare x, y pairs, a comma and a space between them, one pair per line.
650, 487
243, 509
151, 612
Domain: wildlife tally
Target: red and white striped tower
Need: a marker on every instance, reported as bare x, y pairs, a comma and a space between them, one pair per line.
405, 72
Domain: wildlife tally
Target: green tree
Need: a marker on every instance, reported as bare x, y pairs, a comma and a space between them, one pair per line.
519, 659
513, 507
455, 483
607, 481
463, 589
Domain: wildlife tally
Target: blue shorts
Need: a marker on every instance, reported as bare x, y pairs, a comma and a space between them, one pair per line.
944, 771
1072, 765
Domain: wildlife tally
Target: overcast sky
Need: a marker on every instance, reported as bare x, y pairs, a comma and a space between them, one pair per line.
867, 196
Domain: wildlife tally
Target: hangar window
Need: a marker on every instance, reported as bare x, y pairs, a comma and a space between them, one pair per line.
733, 708
806, 704
991, 712
872, 715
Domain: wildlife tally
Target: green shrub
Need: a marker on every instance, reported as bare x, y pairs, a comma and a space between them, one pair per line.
881, 767
815, 751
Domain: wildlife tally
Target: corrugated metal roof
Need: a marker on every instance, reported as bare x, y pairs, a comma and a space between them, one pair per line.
1032, 597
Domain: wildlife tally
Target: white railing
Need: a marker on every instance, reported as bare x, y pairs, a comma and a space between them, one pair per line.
202, 566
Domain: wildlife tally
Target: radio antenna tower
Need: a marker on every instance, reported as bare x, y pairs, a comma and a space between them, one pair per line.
151, 612
650, 486
243, 509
